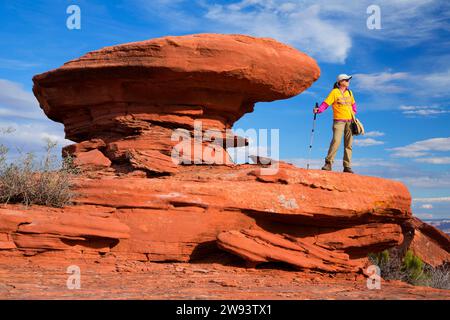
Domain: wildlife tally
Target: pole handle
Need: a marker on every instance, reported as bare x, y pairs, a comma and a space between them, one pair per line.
315, 114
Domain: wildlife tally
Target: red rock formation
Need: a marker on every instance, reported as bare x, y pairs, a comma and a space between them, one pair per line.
179, 217
72, 229
257, 246
124, 101
430, 244
133, 203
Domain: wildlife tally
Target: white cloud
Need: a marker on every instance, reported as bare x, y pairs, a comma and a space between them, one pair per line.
30, 126
409, 108
299, 25
413, 176
428, 181
434, 84
383, 81
15, 101
438, 199
442, 78
424, 215
422, 110
367, 142
359, 162
422, 148
31, 136
427, 206
374, 134
397, 17
374, 162
287, 7
434, 160
321, 28
426, 112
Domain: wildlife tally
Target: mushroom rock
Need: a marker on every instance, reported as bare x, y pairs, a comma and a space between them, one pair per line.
133, 203
132, 97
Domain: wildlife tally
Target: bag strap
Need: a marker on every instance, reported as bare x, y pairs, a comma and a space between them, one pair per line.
351, 111
351, 108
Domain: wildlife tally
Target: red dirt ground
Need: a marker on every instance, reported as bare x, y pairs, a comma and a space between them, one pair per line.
145, 280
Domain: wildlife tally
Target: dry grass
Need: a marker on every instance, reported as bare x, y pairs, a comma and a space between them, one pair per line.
439, 277
30, 181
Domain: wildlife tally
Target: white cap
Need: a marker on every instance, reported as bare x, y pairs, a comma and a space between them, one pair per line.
343, 76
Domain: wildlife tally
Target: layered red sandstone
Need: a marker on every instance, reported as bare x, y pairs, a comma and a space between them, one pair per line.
121, 105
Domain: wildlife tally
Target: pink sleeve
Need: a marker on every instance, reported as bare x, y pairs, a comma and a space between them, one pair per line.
323, 107
354, 107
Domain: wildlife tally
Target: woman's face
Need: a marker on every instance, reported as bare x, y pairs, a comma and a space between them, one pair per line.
344, 83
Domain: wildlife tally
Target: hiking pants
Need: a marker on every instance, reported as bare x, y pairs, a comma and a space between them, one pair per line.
340, 129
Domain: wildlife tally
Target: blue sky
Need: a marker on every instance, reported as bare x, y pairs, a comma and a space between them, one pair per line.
401, 74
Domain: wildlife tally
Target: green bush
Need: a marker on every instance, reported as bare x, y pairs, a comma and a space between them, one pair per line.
413, 267
380, 258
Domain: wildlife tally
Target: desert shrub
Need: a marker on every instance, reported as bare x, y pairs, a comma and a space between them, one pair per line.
29, 181
438, 277
410, 268
390, 264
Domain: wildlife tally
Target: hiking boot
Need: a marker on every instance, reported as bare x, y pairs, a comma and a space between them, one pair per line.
327, 166
348, 169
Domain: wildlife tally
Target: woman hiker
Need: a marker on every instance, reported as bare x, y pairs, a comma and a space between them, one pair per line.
342, 100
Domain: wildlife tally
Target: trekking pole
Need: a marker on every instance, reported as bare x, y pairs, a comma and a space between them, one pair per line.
312, 137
